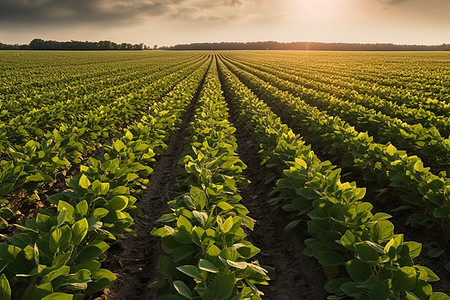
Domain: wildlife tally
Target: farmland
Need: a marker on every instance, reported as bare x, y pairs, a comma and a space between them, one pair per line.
224, 175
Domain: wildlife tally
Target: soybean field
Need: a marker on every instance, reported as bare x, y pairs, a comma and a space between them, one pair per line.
224, 175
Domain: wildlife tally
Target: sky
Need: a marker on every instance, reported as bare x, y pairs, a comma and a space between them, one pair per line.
170, 22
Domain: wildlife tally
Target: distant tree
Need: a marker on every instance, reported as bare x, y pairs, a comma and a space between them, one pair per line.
37, 44
106, 45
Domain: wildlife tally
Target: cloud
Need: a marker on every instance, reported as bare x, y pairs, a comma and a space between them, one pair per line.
120, 12
48, 12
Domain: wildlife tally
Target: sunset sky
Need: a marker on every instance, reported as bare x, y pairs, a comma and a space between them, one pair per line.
169, 22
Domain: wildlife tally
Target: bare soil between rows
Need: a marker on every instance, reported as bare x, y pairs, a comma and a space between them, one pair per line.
134, 260
429, 238
293, 275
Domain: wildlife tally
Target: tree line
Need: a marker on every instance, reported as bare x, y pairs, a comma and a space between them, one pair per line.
39, 44
271, 45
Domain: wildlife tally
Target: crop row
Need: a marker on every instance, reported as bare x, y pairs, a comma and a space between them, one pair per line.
427, 143
36, 123
36, 163
383, 164
344, 88
57, 254
207, 256
69, 91
358, 250
408, 80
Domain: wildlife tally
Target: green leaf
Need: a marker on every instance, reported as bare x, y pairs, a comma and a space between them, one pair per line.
58, 296
224, 206
79, 231
422, 290
348, 239
439, 296
92, 251
61, 271
61, 217
391, 150
427, 274
352, 289
183, 222
60, 239
404, 279
101, 280
191, 271
129, 135
42, 290
199, 197
227, 225
382, 231
68, 215
119, 145
417, 219
300, 163
35, 178
5, 189
202, 217
93, 266
379, 291
182, 252
381, 216
414, 248
366, 253
101, 188
82, 208
117, 203
418, 166
359, 193
100, 213
84, 182
182, 289
5, 289
330, 258
358, 270
223, 286
207, 266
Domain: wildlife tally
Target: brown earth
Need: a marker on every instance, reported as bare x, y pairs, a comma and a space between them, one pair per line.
294, 275
134, 260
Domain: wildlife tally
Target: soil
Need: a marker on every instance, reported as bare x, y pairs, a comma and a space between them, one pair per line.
296, 276
293, 275
428, 237
29, 209
134, 260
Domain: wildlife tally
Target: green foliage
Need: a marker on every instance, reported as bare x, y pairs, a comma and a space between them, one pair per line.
358, 250
382, 163
41, 143
203, 236
57, 254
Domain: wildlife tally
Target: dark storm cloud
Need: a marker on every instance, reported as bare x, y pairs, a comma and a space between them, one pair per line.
48, 12
108, 12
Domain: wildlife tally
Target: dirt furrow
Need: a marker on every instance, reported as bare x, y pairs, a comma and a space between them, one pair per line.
294, 275
428, 238
135, 259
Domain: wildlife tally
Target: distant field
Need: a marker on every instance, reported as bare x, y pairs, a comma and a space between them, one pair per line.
224, 175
